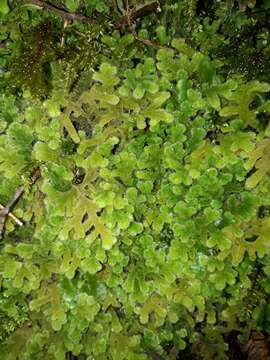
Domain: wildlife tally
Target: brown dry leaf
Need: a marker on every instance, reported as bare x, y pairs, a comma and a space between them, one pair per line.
257, 348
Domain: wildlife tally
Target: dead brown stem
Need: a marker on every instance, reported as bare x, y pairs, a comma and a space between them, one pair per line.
148, 9
61, 12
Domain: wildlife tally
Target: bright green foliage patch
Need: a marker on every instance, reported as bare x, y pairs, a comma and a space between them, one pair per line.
149, 227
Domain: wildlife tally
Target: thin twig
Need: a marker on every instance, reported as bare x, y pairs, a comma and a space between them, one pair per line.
130, 18
15, 198
123, 21
151, 43
154, 355
36, 174
12, 216
64, 33
61, 12
5, 211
